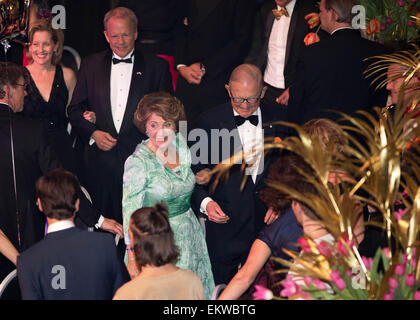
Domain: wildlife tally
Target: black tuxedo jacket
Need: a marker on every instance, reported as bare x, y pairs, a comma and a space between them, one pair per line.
330, 76
33, 158
218, 35
245, 209
71, 264
104, 169
298, 29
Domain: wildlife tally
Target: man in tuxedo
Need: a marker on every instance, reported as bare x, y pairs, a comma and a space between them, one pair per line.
25, 155
283, 36
214, 39
69, 263
235, 216
110, 84
330, 73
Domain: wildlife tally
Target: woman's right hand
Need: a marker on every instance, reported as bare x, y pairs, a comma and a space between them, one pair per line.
132, 269
203, 177
90, 116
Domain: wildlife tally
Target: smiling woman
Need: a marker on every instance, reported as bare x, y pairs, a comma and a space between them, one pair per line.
50, 89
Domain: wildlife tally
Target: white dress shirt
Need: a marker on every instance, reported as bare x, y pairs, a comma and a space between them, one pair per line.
60, 225
277, 43
121, 74
252, 139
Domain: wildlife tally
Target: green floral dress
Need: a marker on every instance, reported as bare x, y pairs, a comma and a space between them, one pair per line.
147, 181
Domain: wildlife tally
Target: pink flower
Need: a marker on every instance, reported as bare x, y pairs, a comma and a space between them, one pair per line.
410, 280
404, 258
349, 273
336, 278
290, 287
308, 280
304, 245
262, 293
388, 296
319, 284
417, 295
400, 270
404, 194
393, 283
325, 249
387, 253
400, 213
367, 262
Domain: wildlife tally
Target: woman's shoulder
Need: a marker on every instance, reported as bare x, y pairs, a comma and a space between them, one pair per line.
68, 74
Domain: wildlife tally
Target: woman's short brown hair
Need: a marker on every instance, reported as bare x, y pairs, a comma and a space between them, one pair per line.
161, 104
57, 36
327, 131
153, 238
58, 191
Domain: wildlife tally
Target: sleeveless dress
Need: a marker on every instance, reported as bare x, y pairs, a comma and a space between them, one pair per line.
146, 181
53, 115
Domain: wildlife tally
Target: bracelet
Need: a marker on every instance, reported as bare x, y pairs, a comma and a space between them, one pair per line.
131, 259
130, 249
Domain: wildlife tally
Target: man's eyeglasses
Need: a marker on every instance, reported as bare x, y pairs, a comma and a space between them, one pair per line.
239, 100
25, 85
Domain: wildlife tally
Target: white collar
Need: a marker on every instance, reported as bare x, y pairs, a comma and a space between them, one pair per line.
114, 55
290, 6
342, 28
60, 225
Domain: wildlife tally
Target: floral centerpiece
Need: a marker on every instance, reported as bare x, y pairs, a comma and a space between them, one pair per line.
392, 21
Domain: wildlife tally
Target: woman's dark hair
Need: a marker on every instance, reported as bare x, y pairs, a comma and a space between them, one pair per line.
286, 170
58, 191
153, 238
161, 104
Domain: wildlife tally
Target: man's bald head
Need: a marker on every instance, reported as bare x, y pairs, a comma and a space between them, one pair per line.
247, 74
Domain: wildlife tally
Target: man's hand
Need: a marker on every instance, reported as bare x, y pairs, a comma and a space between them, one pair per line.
284, 98
270, 216
215, 213
112, 226
192, 73
90, 116
203, 177
104, 140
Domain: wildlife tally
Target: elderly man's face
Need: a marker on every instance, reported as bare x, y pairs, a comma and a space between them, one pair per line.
394, 85
325, 16
120, 36
248, 90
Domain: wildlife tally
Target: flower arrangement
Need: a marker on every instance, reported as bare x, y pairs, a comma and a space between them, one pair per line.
392, 20
384, 176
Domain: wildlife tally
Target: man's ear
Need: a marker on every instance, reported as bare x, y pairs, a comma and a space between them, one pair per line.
297, 210
263, 92
227, 89
106, 36
77, 205
38, 201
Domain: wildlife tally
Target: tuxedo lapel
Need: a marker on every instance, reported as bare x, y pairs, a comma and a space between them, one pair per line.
229, 123
269, 131
136, 90
106, 88
292, 30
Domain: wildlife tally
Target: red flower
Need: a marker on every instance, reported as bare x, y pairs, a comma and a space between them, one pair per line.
312, 19
304, 245
311, 38
374, 26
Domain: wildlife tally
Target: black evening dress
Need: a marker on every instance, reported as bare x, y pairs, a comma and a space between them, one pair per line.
53, 115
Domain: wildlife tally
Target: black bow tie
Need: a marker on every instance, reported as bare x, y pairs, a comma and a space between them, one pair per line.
116, 61
240, 120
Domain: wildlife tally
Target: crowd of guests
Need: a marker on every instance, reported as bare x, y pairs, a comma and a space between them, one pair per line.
126, 167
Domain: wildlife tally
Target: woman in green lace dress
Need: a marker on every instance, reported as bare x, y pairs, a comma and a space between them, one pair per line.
159, 170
